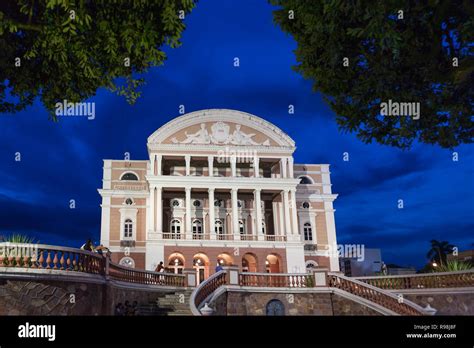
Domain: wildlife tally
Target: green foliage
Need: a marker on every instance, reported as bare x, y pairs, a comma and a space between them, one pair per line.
439, 251
19, 238
404, 60
70, 48
453, 266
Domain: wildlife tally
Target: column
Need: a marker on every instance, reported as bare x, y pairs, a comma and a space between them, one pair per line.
258, 214
290, 167
152, 164
151, 210
256, 167
294, 218
313, 227
187, 158
235, 215
159, 159
188, 228
331, 235
210, 166
283, 167
233, 166
212, 218
286, 212
159, 210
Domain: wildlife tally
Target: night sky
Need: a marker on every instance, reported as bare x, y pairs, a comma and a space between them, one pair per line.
63, 161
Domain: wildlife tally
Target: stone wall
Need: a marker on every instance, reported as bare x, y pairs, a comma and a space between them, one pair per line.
445, 303
30, 296
25, 297
235, 302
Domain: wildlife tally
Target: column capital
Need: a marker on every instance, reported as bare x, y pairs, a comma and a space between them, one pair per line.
233, 189
187, 189
211, 189
257, 190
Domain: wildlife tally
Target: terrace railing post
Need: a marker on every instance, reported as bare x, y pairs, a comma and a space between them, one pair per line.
232, 274
190, 280
320, 277
107, 266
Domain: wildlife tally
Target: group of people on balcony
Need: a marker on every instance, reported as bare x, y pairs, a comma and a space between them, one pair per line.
89, 246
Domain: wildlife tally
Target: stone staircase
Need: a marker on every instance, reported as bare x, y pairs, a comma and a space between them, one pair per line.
173, 304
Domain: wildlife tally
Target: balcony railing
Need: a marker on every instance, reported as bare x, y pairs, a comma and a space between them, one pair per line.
76, 261
422, 281
248, 237
273, 238
123, 187
225, 236
273, 280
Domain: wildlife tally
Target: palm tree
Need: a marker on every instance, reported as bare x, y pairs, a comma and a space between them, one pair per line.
439, 251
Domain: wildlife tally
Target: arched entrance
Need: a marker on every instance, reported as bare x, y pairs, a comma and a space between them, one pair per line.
275, 307
249, 263
176, 263
311, 266
225, 259
201, 265
273, 264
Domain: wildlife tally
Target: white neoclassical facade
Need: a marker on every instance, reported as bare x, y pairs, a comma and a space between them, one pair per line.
219, 187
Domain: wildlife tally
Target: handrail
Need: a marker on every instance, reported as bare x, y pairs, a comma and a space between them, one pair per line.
122, 273
288, 280
421, 281
205, 289
376, 295
41, 256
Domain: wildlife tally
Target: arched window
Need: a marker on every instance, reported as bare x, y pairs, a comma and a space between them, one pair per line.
275, 307
219, 229
305, 205
311, 266
218, 203
197, 229
241, 227
176, 264
197, 203
129, 176
307, 231
128, 229
175, 229
127, 262
129, 201
304, 180
263, 227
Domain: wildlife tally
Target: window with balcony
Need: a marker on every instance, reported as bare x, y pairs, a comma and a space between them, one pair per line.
219, 229
197, 229
128, 229
175, 229
308, 232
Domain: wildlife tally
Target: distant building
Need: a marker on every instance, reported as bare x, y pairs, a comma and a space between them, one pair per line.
369, 266
219, 187
464, 256
400, 270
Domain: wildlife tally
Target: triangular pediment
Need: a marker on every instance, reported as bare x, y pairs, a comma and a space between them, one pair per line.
220, 127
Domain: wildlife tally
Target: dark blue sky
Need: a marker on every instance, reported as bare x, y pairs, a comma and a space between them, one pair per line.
63, 161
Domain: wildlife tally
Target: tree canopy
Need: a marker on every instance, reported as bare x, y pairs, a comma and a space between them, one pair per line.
410, 51
66, 49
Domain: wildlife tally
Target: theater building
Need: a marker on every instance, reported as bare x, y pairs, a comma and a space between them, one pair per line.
219, 186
